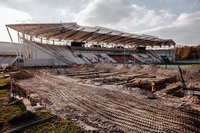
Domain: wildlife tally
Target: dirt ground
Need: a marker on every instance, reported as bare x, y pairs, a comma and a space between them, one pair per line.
116, 98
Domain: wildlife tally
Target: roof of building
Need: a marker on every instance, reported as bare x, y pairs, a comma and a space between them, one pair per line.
75, 32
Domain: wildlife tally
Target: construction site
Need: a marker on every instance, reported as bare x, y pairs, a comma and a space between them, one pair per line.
114, 84
115, 98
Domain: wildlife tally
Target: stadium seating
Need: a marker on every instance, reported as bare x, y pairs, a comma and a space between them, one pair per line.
90, 57
145, 58
124, 58
106, 58
159, 54
65, 55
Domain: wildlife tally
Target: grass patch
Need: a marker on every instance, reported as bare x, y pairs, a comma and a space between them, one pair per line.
11, 111
4, 81
198, 65
43, 113
8, 112
2, 92
11, 116
58, 126
4, 96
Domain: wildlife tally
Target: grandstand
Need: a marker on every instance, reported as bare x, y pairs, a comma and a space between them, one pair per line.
62, 44
108, 94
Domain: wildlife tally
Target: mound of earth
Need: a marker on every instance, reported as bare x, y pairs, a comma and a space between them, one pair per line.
164, 71
22, 74
104, 66
136, 68
121, 67
192, 73
150, 69
194, 69
159, 70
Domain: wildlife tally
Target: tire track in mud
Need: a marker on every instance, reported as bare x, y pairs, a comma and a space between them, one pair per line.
135, 115
171, 123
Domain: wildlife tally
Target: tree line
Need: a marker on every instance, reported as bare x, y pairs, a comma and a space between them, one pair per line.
188, 52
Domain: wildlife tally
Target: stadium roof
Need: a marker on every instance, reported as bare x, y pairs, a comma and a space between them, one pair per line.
75, 32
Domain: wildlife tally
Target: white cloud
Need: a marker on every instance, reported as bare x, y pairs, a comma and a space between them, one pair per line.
117, 14
103, 12
47, 10
153, 18
10, 16
122, 15
184, 30
21, 11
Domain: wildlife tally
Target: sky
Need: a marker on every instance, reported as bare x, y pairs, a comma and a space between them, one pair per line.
169, 19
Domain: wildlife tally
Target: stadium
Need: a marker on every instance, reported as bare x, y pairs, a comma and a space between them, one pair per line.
103, 79
69, 43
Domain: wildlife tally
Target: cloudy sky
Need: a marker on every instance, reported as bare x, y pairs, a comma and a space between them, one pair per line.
176, 19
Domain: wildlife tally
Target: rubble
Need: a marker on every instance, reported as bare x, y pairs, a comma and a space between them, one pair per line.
191, 99
107, 97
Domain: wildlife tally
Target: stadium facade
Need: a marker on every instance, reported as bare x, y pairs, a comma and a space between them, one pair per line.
62, 44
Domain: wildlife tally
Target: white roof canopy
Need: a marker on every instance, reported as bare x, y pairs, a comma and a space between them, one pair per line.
72, 31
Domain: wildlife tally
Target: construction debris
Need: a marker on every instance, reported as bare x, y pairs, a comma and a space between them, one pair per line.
109, 97
191, 99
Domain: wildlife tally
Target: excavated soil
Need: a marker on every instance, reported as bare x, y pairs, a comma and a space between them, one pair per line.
111, 98
22, 74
